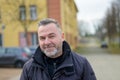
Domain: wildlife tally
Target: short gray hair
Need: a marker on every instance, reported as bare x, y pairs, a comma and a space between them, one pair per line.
48, 21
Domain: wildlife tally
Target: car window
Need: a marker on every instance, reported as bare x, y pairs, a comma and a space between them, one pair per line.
13, 50
32, 49
2, 50
27, 50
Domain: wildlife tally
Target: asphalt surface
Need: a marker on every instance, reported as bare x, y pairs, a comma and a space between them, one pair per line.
7, 73
105, 65
15, 78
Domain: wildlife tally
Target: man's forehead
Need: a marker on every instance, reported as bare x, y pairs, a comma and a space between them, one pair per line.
45, 32
49, 34
48, 28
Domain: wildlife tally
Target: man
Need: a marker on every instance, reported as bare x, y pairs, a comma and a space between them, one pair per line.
53, 59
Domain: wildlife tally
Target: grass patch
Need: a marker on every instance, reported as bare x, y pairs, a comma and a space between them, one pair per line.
79, 50
114, 50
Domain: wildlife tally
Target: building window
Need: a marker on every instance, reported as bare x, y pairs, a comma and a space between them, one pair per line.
33, 12
22, 37
30, 40
34, 39
22, 13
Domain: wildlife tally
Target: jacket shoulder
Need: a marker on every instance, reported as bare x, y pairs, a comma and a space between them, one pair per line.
26, 69
80, 61
82, 64
77, 57
28, 64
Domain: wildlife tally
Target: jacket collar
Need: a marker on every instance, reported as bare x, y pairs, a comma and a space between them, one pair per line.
66, 65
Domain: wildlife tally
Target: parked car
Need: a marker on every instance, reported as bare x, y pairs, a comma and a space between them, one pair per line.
15, 56
33, 49
104, 44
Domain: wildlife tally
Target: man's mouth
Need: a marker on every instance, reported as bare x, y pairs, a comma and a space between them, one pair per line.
49, 48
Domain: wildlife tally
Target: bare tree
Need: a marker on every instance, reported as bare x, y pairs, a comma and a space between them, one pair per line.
14, 16
118, 18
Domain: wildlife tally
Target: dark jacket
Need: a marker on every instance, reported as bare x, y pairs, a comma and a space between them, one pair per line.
72, 67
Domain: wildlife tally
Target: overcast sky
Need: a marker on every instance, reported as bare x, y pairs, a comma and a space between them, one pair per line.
92, 10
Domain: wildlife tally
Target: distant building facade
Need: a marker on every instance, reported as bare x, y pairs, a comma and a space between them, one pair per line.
19, 18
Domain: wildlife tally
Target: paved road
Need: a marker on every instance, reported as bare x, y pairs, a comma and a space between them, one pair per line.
8, 73
105, 65
15, 78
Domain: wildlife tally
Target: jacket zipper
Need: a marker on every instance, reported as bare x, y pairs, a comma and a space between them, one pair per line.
54, 67
56, 74
47, 74
54, 64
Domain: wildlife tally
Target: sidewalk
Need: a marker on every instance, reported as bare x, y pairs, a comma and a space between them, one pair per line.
106, 66
15, 78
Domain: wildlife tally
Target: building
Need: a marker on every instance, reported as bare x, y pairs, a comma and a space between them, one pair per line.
19, 18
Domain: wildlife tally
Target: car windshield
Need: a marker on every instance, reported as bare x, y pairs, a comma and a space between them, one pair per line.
27, 50
2, 50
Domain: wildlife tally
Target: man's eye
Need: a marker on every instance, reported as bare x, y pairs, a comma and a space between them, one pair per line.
51, 36
42, 38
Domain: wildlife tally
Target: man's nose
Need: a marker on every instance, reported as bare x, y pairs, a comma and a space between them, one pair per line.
47, 41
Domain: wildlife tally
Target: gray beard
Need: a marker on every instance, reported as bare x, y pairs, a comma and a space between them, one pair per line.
51, 54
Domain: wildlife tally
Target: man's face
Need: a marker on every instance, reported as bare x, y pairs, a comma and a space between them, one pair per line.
50, 40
